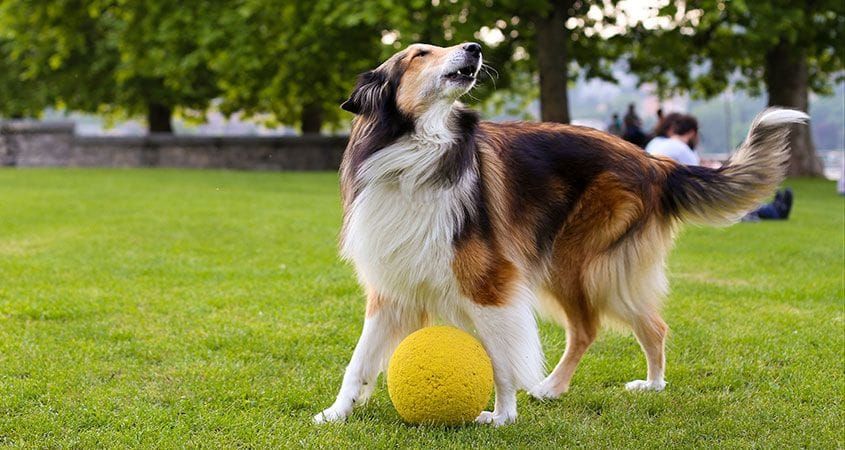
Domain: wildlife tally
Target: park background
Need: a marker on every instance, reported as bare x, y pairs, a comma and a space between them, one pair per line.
163, 307
281, 67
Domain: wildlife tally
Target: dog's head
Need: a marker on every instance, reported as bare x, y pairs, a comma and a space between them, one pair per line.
415, 80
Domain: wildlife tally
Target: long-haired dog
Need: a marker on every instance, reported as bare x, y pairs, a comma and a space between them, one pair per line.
477, 224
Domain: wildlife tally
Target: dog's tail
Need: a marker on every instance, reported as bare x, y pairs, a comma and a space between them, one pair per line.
722, 196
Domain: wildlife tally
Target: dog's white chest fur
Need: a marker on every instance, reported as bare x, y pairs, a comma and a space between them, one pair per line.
401, 225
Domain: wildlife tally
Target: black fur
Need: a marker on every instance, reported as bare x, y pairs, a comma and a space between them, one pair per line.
685, 185
365, 97
459, 160
462, 155
533, 159
374, 98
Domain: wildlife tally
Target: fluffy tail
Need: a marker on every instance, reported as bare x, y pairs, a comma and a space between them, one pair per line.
722, 196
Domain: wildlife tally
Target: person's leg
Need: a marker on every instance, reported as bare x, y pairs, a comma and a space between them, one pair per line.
785, 205
768, 211
779, 209
779, 196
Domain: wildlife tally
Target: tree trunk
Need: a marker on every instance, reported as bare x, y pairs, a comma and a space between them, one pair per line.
311, 118
552, 61
786, 81
158, 118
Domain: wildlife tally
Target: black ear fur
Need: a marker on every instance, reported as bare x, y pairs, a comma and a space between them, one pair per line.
367, 93
351, 106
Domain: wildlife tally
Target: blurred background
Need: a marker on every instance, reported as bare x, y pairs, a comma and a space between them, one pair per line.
282, 67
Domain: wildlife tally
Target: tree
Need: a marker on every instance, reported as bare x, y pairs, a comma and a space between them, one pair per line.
164, 49
786, 47
49, 58
298, 60
291, 62
109, 56
12, 104
552, 39
294, 60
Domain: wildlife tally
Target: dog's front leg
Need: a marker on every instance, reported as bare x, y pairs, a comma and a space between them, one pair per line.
384, 328
509, 334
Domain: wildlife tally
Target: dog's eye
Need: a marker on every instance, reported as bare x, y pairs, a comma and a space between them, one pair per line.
421, 53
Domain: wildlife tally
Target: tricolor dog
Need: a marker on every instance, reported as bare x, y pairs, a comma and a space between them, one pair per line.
479, 224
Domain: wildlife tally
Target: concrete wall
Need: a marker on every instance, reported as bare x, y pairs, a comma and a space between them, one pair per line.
45, 144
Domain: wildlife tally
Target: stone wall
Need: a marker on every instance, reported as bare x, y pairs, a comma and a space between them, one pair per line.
30, 143
45, 144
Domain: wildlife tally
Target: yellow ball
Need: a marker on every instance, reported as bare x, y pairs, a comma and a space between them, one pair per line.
440, 375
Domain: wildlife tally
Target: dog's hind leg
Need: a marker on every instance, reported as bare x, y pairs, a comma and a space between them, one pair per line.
581, 330
637, 301
651, 333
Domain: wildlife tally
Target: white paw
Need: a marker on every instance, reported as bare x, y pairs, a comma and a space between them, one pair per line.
330, 415
545, 390
496, 419
643, 385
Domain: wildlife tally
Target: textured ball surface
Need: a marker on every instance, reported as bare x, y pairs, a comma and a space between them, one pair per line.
440, 375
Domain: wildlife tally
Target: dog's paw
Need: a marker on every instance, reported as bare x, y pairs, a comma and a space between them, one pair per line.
643, 385
496, 419
546, 390
330, 415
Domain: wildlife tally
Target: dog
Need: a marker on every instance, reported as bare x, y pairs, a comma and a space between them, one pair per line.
480, 224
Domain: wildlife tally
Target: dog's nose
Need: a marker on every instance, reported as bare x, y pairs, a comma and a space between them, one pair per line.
472, 48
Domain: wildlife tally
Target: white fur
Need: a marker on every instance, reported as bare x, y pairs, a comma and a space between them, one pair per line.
509, 334
381, 334
646, 385
776, 116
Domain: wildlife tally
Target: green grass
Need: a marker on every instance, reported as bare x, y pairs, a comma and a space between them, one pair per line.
163, 308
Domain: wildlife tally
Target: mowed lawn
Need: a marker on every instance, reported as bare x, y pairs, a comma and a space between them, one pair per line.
165, 308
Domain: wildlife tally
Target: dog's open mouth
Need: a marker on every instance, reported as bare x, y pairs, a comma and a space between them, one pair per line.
465, 73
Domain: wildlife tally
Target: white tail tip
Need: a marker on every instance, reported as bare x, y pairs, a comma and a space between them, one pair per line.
777, 116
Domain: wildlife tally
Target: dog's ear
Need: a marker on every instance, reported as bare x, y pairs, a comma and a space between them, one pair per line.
368, 93
351, 106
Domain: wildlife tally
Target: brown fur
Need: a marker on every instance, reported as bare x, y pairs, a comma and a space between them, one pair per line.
374, 302
612, 219
485, 276
415, 61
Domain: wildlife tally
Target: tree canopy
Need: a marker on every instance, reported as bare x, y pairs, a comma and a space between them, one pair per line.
296, 60
785, 48
715, 44
109, 56
293, 62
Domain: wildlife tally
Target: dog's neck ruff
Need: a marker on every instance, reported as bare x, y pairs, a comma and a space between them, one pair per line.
435, 152
402, 223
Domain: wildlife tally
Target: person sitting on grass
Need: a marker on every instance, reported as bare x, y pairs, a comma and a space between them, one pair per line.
661, 130
681, 138
778, 209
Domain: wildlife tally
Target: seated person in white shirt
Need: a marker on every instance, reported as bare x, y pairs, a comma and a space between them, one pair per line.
682, 139
664, 124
